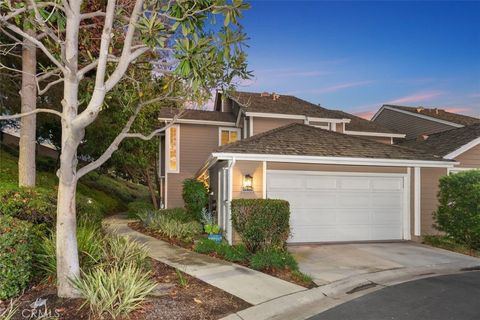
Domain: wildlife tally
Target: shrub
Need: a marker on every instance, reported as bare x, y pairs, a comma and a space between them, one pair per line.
173, 223
90, 250
261, 223
273, 259
136, 207
458, 213
122, 251
205, 246
195, 196
116, 291
236, 253
15, 256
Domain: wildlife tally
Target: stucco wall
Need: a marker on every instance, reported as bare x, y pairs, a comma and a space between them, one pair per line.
265, 124
429, 189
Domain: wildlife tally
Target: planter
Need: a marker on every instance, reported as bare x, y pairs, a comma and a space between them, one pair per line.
215, 237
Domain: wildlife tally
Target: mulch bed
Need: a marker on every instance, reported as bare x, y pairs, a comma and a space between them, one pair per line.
281, 274
197, 300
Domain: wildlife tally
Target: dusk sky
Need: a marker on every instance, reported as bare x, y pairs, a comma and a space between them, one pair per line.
355, 56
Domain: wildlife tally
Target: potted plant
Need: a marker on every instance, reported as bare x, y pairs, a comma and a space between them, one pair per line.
212, 229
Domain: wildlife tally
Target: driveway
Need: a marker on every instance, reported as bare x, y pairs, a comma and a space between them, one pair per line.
327, 263
447, 297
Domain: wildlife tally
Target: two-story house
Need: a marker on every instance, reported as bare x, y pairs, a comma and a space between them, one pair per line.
342, 175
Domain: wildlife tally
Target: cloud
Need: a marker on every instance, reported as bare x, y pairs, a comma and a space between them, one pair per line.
334, 88
475, 95
365, 114
417, 97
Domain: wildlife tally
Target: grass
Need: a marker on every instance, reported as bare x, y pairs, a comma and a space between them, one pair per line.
109, 193
447, 243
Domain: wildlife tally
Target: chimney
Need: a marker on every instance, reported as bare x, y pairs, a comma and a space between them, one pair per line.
420, 109
275, 96
264, 94
422, 137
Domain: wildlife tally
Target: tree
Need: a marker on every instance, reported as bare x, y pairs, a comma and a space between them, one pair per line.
177, 37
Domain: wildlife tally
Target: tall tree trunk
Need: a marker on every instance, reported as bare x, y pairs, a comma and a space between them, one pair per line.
28, 93
67, 251
151, 188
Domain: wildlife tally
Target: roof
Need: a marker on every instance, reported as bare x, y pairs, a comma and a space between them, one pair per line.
446, 142
363, 125
304, 140
284, 104
194, 114
438, 114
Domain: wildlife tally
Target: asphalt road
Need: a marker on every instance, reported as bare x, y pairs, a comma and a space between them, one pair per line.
452, 297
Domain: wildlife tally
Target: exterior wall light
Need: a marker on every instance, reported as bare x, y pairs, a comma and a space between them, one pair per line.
247, 183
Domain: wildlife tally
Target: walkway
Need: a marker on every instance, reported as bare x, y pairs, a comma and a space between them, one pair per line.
252, 286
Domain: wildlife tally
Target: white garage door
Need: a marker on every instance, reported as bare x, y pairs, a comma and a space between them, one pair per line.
340, 207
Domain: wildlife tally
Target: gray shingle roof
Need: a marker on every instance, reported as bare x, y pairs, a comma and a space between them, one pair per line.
438, 114
445, 142
304, 140
197, 115
363, 125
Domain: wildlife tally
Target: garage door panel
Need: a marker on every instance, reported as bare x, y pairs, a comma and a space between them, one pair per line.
354, 184
353, 200
387, 184
387, 200
338, 207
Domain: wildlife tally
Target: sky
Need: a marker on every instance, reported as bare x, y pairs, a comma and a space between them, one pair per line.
356, 56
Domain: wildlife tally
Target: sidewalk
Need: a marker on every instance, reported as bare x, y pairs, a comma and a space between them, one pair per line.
252, 286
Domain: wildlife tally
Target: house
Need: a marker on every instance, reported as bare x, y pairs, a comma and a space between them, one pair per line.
342, 175
417, 121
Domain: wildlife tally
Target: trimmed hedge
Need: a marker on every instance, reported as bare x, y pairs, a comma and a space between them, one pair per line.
195, 196
261, 223
458, 213
15, 256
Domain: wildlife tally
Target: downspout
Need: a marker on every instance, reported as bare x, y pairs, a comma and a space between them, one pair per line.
231, 164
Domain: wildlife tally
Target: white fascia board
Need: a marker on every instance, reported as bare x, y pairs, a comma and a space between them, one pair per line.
334, 160
453, 124
274, 115
206, 122
377, 113
375, 134
462, 149
333, 120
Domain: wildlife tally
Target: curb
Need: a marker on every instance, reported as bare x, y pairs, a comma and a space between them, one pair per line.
305, 304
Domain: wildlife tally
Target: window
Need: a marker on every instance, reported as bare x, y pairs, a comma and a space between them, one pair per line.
172, 146
228, 135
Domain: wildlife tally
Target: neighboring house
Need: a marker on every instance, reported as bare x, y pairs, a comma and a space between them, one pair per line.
344, 179
418, 121
11, 137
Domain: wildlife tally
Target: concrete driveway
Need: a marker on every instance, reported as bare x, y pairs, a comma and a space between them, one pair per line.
327, 263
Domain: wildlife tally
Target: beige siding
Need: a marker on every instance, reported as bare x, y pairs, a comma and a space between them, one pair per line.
429, 189
332, 168
265, 124
196, 144
339, 127
470, 158
411, 125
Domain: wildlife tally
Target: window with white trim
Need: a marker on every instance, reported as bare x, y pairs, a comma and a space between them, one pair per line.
173, 149
228, 135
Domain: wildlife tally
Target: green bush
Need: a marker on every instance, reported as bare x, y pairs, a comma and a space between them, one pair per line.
195, 196
458, 213
261, 223
273, 259
173, 223
135, 207
116, 291
236, 253
205, 246
122, 251
90, 243
15, 256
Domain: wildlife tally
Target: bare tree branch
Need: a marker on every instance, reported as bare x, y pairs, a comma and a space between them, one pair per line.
48, 86
91, 15
126, 134
20, 115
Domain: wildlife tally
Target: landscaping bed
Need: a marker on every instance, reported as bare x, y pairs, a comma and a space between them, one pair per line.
195, 300
284, 274
447, 243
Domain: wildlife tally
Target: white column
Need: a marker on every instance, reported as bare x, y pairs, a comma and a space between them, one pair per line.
417, 205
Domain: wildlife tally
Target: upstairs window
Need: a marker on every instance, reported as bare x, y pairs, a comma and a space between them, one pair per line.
173, 149
228, 135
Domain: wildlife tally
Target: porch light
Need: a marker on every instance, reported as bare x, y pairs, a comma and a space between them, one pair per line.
247, 183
